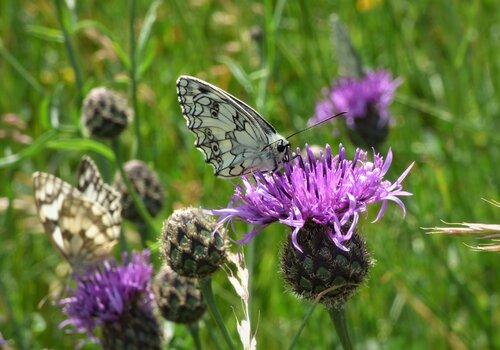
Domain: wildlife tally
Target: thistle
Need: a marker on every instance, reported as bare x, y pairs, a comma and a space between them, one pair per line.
146, 184
118, 299
331, 191
179, 298
321, 199
105, 113
366, 101
191, 243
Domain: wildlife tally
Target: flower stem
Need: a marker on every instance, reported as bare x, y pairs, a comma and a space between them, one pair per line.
133, 79
143, 212
195, 333
123, 242
301, 328
339, 320
70, 50
208, 295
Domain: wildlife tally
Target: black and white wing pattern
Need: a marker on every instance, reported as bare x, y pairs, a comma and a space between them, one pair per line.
82, 229
233, 137
92, 186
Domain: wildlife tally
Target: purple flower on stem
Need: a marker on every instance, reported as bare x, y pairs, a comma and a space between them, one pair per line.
330, 190
105, 294
373, 93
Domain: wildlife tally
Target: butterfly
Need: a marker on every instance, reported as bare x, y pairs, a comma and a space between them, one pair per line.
349, 61
233, 137
83, 222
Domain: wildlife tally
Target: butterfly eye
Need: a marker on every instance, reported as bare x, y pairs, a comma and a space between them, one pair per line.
280, 148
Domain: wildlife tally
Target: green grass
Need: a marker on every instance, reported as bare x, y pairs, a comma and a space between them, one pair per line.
423, 292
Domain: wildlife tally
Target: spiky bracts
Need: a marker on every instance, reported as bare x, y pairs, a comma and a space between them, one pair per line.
322, 272
191, 243
179, 298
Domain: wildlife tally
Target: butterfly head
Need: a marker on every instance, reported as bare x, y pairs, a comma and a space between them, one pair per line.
281, 150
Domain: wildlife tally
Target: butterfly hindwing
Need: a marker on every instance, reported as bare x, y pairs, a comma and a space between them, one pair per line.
233, 137
82, 229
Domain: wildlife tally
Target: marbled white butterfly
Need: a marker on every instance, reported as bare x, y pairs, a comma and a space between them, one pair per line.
82, 222
233, 137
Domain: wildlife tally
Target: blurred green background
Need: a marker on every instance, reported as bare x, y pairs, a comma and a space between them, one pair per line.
423, 292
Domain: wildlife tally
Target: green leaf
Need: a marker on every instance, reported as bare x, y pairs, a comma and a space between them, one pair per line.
238, 72
424, 107
18, 67
44, 112
145, 33
45, 33
147, 61
34, 149
82, 145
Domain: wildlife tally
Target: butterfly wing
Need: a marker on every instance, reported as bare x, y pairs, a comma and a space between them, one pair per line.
350, 64
81, 229
233, 137
92, 186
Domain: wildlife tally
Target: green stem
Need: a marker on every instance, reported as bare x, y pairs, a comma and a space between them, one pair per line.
250, 263
212, 336
301, 328
139, 205
339, 320
143, 232
70, 51
208, 295
133, 79
123, 242
195, 333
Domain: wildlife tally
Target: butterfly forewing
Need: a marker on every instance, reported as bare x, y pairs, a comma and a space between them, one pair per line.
233, 137
81, 229
92, 186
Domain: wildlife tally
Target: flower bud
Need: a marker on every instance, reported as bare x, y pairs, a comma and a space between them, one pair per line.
147, 186
191, 244
178, 298
105, 113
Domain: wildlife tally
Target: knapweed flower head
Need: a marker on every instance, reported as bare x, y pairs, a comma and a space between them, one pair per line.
104, 294
359, 98
331, 191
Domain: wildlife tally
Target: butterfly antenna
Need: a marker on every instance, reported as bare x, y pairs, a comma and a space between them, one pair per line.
315, 125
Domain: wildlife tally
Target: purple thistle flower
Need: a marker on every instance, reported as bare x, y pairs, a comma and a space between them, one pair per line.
359, 97
103, 295
330, 190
